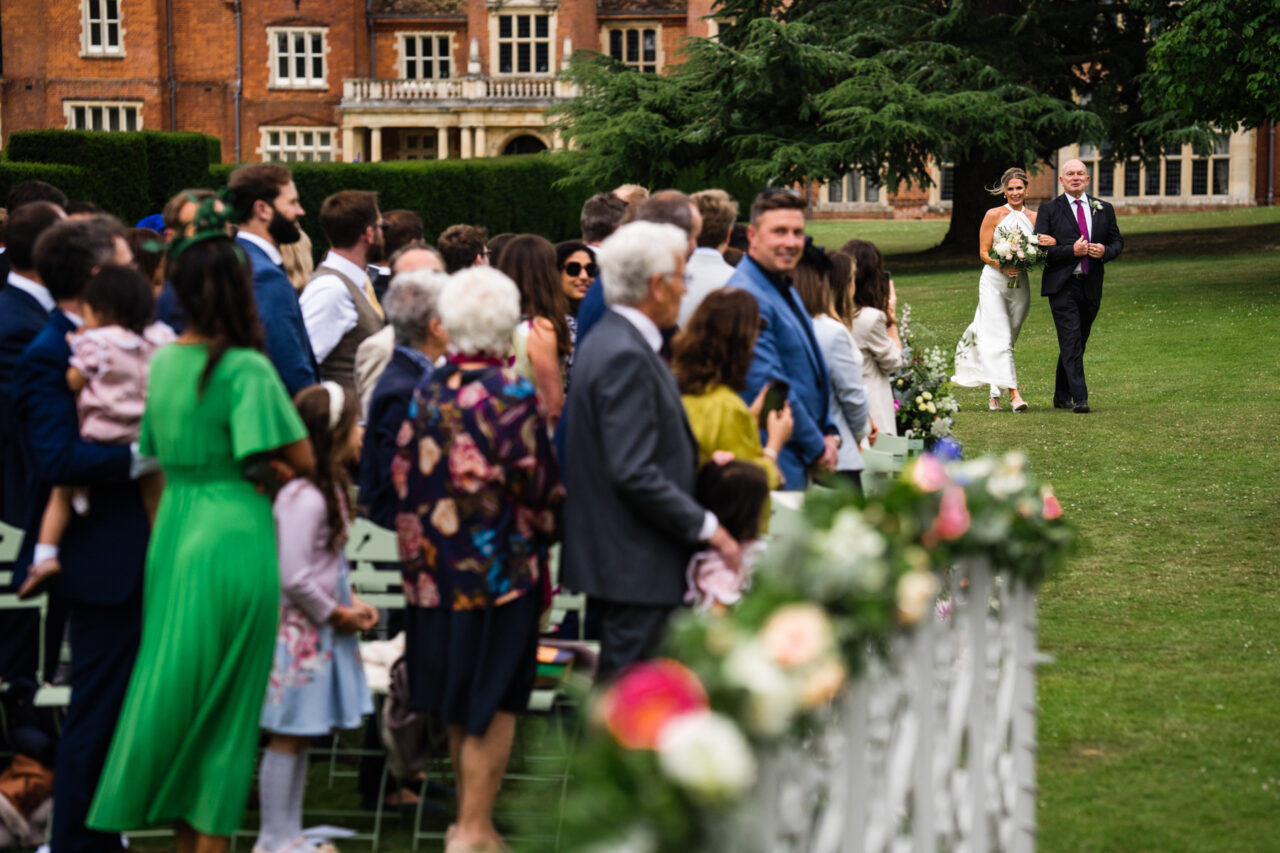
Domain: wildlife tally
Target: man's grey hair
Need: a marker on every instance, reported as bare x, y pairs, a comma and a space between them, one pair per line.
635, 253
412, 302
479, 308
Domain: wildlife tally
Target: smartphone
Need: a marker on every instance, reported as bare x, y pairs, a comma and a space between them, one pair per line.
774, 399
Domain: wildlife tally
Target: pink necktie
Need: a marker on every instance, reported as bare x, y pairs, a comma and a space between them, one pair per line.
1084, 232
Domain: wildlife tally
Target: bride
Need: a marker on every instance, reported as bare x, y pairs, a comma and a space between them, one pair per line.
984, 355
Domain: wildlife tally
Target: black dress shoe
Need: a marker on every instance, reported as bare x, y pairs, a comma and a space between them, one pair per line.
1081, 408
1060, 405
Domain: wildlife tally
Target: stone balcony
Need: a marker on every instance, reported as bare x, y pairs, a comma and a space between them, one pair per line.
469, 92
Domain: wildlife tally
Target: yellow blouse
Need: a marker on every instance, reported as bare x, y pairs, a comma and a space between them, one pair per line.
721, 421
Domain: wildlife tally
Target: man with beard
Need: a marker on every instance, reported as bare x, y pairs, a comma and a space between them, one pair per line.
266, 208
338, 304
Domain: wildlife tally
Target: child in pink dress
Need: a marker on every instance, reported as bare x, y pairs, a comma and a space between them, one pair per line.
110, 355
736, 492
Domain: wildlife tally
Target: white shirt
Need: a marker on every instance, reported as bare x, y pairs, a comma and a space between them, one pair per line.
273, 254
705, 272
1088, 216
653, 337
35, 290
327, 309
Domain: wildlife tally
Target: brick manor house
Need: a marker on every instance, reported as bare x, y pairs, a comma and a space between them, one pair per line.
345, 80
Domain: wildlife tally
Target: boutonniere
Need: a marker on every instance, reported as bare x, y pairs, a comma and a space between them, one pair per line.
1094, 204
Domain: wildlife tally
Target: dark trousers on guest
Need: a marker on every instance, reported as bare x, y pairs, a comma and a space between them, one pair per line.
628, 633
104, 643
1074, 309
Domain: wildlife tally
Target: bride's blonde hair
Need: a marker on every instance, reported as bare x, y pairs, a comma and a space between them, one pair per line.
1009, 175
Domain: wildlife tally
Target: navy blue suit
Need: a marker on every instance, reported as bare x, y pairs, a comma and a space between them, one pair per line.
288, 345
169, 311
388, 408
102, 558
787, 349
591, 309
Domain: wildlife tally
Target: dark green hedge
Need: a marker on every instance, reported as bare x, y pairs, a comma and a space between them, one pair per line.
502, 193
128, 174
63, 177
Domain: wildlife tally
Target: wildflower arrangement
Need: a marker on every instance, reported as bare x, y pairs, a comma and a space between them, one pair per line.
1013, 247
668, 756
922, 394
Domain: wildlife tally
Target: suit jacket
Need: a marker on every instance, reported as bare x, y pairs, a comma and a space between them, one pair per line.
1057, 218
705, 273
787, 349
372, 357
102, 552
591, 310
388, 409
848, 403
631, 523
288, 345
21, 319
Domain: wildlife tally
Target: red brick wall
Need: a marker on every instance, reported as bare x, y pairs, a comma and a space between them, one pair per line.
1264, 150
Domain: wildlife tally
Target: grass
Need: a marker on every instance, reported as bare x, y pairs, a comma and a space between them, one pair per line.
1160, 718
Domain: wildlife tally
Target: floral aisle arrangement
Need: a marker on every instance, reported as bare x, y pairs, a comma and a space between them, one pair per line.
1013, 247
922, 393
668, 754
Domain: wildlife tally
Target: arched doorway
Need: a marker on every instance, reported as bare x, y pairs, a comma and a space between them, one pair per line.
524, 144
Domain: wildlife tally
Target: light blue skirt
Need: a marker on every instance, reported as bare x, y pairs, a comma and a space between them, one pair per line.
317, 679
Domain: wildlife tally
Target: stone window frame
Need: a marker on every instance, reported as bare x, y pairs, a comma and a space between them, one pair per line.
119, 109
273, 58
402, 58
515, 10
606, 45
279, 150
861, 184
103, 23
1171, 175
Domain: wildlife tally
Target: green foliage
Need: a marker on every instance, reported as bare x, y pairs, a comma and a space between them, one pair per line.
177, 161
115, 165
530, 193
1215, 63
63, 177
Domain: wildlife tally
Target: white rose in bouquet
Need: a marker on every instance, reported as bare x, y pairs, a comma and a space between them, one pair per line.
1002, 248
707, 755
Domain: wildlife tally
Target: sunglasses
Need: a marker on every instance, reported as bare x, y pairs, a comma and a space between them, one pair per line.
574, 269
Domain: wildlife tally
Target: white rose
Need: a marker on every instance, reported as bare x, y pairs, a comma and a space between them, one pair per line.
771, 699
707, 755
1001, 248
915, 594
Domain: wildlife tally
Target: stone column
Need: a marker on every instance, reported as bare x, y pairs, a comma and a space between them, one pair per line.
348, 144
482, 149
375, 145
465, 154
442, 143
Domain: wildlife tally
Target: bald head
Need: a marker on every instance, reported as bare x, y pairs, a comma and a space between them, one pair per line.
1074, 177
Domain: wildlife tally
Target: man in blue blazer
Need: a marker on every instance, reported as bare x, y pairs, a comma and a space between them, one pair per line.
25, 304
102, 552
786, 348
267, 210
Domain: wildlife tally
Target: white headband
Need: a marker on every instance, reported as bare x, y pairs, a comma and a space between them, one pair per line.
337, 401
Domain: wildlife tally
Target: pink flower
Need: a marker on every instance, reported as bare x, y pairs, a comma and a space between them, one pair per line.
796, 635
953, 514
927, 473
428, 455
896, 404
423, 592
1052, 509
646, 697
445, 516
400, 476
409, 535
468, 467
405, 435
471, 394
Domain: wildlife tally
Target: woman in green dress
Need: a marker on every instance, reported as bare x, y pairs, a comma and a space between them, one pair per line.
184, 748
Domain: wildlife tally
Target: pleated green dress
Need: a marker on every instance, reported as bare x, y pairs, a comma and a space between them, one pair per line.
184, 748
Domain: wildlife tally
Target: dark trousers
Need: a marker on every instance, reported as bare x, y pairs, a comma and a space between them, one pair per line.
628, 633
1074, 309
104, 643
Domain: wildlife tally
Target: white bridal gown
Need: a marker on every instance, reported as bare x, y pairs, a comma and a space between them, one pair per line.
984, 355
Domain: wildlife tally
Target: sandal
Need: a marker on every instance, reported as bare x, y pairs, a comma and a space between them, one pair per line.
994, 404
1018, 404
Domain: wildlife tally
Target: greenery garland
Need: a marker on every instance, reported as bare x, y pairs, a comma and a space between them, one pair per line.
668, 750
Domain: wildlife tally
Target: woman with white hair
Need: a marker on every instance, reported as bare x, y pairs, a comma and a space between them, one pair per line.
479, 507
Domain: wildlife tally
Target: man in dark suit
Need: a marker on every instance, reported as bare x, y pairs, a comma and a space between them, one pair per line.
420, 340
22, 193
25, 304
787, 348
1087, 237
631, 523
102, 552
267, 211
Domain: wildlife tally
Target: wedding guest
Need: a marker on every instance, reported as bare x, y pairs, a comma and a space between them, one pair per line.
317, 682
464, 246
707, 270
185, 746
577, 264
875, 331
177, 215
148, 257
542, 339
825, 281
738, 493
479, 508
338, 305
401, 228
601, 215
298, 261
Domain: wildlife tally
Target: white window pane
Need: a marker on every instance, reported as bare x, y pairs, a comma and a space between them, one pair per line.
78, 118
282, 42
522, 26
541, 26
410, 48
317, 68
95, 115
291, 139
113, 119
273, 138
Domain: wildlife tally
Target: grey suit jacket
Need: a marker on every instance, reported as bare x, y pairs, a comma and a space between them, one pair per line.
631, 523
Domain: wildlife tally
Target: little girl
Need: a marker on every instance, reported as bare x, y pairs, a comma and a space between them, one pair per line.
317, 681
736, 492
110, 356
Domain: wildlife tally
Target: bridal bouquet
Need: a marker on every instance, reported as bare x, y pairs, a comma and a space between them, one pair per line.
1013, 247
